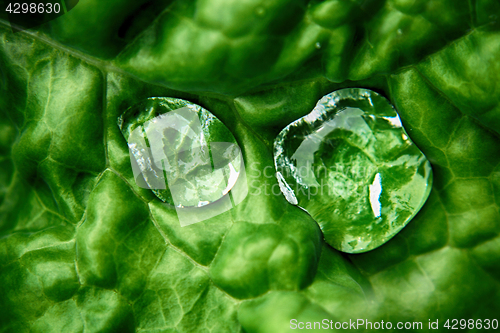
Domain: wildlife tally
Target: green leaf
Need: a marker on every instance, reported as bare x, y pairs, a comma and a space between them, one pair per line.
84, 248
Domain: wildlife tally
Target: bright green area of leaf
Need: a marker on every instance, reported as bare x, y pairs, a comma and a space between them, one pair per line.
82, 248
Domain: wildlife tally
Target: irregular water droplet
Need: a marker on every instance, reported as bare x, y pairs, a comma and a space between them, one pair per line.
318, 45
353, 167
180, 151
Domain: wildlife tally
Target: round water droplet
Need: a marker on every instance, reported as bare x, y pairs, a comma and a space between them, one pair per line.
318, 45
353, 167
400, 32
180, 151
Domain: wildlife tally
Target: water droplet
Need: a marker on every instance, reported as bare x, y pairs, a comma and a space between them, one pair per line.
400, 32
180, 151
318, 45
352, 166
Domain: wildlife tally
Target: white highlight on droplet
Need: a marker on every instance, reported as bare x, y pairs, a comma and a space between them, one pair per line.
375, 191
233, 177
286, 190
395, 121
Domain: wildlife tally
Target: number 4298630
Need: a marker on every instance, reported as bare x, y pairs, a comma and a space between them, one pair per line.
33, 8
460, 324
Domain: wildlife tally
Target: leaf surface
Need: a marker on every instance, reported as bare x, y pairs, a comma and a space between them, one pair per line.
83, 248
